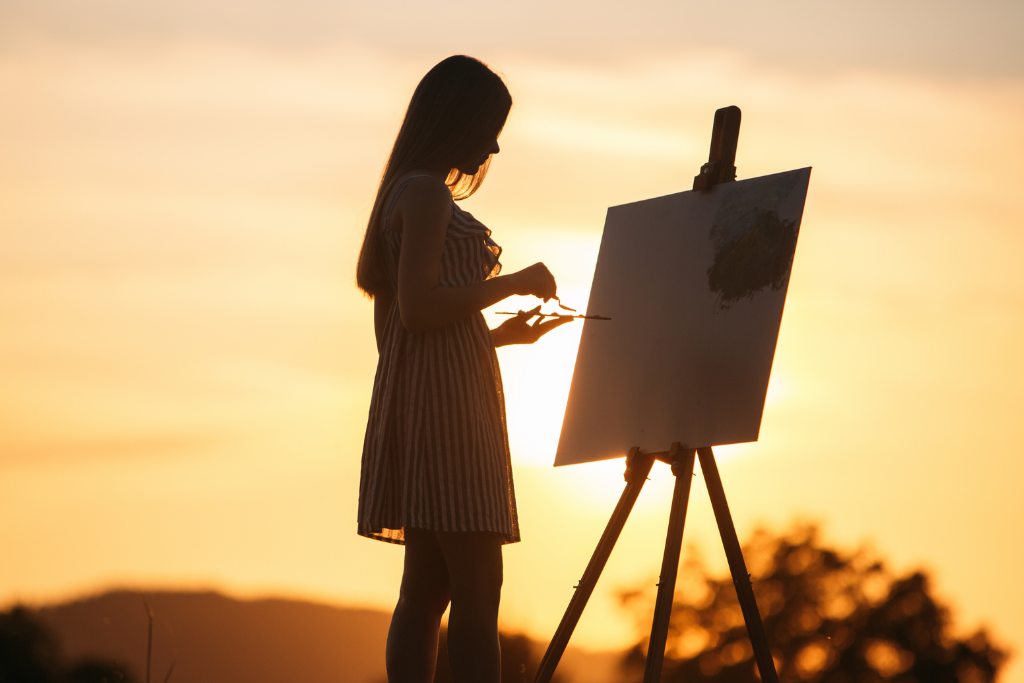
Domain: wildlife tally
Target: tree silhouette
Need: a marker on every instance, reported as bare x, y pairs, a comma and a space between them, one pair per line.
830, 617
30, 654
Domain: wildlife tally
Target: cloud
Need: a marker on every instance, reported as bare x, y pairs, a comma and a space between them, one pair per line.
105, 450
944, 36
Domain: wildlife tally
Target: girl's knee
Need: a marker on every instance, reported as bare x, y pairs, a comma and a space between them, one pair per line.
475, 571
425, 583
480, 596
420, 595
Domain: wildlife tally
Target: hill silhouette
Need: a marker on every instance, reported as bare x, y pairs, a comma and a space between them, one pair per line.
212, 638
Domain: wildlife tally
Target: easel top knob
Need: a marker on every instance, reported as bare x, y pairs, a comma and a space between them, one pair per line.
721, 166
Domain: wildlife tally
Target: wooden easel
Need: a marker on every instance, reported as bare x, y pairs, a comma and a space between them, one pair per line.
720, 168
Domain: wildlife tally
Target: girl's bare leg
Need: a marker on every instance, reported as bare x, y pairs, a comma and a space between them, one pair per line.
412, 638
474, 576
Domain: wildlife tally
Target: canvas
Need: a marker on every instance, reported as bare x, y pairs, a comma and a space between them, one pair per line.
694, 284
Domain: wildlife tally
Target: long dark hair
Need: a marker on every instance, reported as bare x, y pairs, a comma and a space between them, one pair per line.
456, 109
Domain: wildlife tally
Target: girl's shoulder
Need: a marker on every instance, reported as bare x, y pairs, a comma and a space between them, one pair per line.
419, 187
421, 194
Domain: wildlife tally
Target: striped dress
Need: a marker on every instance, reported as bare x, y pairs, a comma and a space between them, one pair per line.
436, 454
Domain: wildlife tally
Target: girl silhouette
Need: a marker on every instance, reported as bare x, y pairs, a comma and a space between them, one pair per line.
436, 471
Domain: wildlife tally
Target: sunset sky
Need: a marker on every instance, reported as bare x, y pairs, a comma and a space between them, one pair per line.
186, 365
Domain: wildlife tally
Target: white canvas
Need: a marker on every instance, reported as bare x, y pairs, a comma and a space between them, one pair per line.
694, 284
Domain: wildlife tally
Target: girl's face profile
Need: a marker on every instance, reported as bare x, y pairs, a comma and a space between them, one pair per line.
472, 166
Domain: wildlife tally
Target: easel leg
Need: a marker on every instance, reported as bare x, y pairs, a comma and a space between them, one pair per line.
740, 577
682, 468
638, 467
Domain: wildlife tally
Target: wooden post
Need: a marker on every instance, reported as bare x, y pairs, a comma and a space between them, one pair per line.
737, 567
638, 466
682, 467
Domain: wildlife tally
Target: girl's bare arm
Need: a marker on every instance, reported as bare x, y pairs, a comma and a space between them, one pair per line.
381, 307
423, 212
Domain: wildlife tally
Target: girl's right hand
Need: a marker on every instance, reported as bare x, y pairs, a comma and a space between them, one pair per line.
537, 281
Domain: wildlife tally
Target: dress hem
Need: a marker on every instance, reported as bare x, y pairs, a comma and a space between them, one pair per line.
397, 536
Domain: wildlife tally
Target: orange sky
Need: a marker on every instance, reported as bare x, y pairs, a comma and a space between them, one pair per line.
185, 365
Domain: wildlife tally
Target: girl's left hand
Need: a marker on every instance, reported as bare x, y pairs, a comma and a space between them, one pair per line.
518, 330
